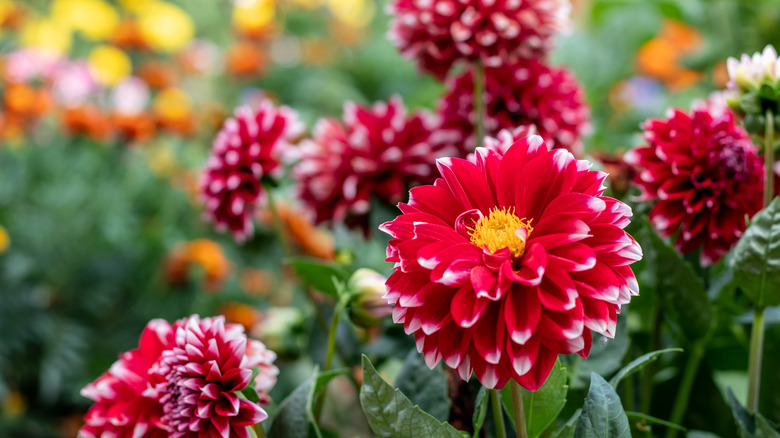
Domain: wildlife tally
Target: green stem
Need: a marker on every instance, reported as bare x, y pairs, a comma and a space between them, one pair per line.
769, 158
259, 430
648, 374
498, 415
277, 220
517, 405
686, 385
754, 363
334, 323
479, 86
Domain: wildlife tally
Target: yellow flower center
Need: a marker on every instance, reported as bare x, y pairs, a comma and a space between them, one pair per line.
502, 229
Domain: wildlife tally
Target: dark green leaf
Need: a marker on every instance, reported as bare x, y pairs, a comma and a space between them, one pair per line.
567, 431
251, 394
751, 425
756, 260
391, 414
424, 387
480, 410
764, 429
605, 358
318, 274
602, 415
639, 363
543, 405
682, 292
294, 416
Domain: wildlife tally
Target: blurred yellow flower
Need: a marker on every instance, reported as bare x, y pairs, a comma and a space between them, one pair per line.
357, 13
251, 17
172, 103
161, 161
110, 64
47, 34
95, 19
164, 26
6, 9
5, 241
136, 5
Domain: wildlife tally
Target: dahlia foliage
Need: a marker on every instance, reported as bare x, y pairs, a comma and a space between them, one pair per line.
526, 92
504, 263
439, 34
183, 380
247, 150
378, 151
705, 177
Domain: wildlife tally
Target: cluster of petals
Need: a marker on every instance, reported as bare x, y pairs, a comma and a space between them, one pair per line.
375, 151
525, 93
704, 173
750, 71
182, 381
246, 150
509, 260
440, 33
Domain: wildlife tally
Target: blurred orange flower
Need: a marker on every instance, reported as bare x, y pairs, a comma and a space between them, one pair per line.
26, 101
239, 313
128, 36
203, 253
173, 111
310, 239
255, 281
245, 58
88, 121
159, 75
660, 57
134, 127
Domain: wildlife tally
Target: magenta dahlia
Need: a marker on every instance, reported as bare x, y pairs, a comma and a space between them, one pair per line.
523, 93
246, 150
439, 33
379, 151
704, 173
506, 262
199, 380
123, 405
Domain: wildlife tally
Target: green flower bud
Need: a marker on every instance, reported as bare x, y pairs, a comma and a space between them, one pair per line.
367, 307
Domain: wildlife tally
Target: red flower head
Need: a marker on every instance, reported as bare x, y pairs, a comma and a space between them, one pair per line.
244, 151
440, 33
123, 406
199, 378
525, 93
504, 263
706, 176
378, 151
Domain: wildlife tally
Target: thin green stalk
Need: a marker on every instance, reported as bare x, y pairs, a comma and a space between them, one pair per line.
479, 87
686, 385
277, 220
517, 406
754, 363
648, 374
498, 415
259, 430
769, 158
329, 355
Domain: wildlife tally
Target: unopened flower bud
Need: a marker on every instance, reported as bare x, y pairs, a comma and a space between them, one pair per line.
367, 307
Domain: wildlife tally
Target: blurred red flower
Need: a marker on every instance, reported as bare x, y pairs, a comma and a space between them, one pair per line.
704, 173
506, 262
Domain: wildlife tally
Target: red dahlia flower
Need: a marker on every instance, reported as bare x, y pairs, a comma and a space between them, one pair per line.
199, 379
123, 405
245, 150
524, 93
378, 151
706, 176
504, 263
440, 33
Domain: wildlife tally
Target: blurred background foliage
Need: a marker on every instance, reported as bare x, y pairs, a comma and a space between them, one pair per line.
100, 228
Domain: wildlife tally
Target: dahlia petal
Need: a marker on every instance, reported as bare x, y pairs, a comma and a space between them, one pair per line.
574, 257
522, 311
227, 405
221, 425
533, 268
437, 201
466, 308
484, 281
522, 357
544, 178
492, 332
454, 342
428, 256
559, 229
509, 168
584, 207
557, 291
453, 274
467, 183
540, 370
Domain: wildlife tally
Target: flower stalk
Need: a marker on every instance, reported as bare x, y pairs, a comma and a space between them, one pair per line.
498, 415
277, 220
686, 385
479, 88
517, 405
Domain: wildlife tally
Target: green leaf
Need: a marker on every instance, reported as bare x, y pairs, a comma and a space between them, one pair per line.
391, 414
682, 292
756, 260
294, 416
480, 410
424, 387
751, 425
543, 405
639, 363
602, 415
764, 429
638, 416
322, 276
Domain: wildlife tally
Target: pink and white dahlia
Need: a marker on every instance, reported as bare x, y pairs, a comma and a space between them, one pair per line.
199, 380
379, 151
504, 263
261, 358
706, 176
246, 150
124, 406
438, 34
525, 93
